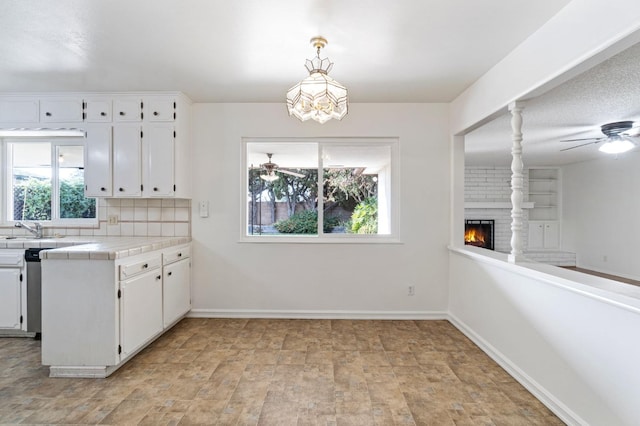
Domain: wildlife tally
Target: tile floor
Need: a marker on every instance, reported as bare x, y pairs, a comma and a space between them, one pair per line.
279, 372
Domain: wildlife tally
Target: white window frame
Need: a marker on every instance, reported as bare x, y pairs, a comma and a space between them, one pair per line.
393, 237
7, 171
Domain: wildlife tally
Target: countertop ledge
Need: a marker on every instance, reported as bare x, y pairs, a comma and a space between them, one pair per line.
98, 248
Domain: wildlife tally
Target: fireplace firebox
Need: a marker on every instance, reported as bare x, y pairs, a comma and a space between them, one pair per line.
479, 233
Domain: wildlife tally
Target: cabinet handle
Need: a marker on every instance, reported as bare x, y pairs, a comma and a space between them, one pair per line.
123, 113
103, 114
121, 189
169, 273
48, 114
159, 277
156, 113
179, 254
103, 189
145, 266
155, 189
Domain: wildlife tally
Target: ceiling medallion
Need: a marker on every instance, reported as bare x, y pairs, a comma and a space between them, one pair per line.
318, 97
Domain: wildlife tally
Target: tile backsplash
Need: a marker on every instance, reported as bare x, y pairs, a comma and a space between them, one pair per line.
165, 217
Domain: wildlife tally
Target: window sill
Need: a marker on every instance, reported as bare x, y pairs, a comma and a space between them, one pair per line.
314, 239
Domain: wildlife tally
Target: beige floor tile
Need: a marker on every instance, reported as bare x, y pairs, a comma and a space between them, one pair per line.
279, 372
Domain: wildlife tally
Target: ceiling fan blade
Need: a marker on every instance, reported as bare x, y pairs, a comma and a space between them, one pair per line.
289, 172
582, 139
634, 132
578, 146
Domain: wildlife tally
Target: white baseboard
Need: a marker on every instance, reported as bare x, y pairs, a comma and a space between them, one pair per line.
355, 315
544, 396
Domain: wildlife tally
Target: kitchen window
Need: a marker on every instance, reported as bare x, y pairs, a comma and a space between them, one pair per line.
320, 190
45, 183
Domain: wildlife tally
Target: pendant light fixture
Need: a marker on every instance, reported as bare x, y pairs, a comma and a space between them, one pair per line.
318, 97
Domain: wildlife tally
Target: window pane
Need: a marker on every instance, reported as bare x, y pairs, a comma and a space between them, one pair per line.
30, 181
73, 204
282, 190
356, 189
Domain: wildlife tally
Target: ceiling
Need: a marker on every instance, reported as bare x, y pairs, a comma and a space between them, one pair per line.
254, 50
606, 93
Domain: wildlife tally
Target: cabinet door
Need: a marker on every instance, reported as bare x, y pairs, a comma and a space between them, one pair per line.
19, 111
129, 109
64, 110
140, 310
536, 235
10, 310
158, 158
551, 235
97, 110
176, 295
97, 162
160, 110
127, 176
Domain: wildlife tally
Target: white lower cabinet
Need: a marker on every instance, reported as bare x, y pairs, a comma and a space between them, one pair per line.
97, 314
544, 235
140, 310
10, 301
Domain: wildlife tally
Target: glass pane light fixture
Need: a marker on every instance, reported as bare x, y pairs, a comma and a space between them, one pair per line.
318, 97
617, 145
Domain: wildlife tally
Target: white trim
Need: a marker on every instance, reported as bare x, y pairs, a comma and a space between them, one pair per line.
294, 314
542, 394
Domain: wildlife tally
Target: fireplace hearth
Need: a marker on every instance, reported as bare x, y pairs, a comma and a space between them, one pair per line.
479, 233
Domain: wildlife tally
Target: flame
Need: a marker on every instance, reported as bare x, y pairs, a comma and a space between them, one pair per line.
474, 236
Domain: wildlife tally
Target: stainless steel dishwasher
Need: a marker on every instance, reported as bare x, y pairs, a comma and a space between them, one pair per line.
34, 291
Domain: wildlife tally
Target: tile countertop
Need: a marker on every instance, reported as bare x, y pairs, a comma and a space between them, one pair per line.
103, 248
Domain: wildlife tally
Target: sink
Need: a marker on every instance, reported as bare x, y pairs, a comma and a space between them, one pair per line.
19, 238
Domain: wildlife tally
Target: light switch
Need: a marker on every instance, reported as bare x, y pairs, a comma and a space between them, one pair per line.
204, 208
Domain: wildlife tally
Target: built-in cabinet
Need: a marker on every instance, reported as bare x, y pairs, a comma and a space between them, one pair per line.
97, 314
544, 225
135, 145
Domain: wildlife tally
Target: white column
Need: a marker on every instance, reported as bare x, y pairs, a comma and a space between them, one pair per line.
517, 182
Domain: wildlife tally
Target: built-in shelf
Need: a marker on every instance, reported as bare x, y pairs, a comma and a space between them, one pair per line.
494, 205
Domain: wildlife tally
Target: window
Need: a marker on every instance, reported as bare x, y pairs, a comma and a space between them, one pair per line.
45, 182
354, 177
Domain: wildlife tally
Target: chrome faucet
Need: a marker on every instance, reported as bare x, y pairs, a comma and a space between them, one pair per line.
35, 230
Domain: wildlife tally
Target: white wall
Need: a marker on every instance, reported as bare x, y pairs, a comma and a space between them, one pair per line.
576, 350
579, 352
601, 213
287, 279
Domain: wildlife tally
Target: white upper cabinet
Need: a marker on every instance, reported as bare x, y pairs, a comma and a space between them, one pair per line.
97, 162
127, 157
158, 160
19, 111
127, 109
61, 110
160, 110
137, 145
97, 110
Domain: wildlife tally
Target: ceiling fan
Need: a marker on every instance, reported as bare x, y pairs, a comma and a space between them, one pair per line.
271, 168
618, 136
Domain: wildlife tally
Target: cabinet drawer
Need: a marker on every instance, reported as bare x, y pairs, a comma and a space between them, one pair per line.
127, 109
68, 110
12, 258
175, 254
132, 269
160, 110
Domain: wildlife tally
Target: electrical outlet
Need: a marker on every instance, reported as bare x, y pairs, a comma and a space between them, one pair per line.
412, 290
112, 219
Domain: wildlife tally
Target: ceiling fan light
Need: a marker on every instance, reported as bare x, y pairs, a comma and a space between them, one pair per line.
269, 177
617, 145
